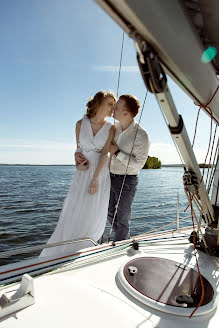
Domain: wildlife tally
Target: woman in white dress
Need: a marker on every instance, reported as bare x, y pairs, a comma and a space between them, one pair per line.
85, 208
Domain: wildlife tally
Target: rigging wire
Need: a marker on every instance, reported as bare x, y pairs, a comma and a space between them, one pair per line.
160, 228
209, 109
216, 197
123, 182
205, 107
212, 147
117, 91
214, 168
120, 65
208, 147
191, 197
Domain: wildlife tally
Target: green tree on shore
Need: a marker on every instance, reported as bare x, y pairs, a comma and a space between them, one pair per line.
152, 163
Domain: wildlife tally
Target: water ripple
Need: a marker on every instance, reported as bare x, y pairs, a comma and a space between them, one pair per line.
32, 197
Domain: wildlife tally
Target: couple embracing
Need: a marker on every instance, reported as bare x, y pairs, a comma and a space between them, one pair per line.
95, 190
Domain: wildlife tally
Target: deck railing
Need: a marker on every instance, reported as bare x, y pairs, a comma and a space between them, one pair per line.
39, 247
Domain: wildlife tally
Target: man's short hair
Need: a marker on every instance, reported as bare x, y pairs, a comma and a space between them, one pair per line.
132, 104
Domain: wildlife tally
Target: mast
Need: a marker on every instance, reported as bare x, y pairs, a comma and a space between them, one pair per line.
156, 82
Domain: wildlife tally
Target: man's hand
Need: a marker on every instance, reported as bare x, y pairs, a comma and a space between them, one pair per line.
83, 165
113, 147
79, 158
81, 162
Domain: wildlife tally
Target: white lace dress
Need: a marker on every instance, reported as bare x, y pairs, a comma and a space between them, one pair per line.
84, 215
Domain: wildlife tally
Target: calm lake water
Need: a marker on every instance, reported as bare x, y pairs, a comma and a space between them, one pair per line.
31, 199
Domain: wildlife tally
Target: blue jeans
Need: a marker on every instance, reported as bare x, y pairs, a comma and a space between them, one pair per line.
121, 223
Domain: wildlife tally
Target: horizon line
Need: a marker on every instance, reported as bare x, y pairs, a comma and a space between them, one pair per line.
2, 164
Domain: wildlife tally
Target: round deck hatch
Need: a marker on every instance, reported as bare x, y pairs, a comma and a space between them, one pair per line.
166, 285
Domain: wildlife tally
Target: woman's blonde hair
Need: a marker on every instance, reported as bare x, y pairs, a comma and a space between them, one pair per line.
96, 101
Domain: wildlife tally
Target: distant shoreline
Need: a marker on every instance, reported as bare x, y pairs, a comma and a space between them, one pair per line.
37, 164
164, 165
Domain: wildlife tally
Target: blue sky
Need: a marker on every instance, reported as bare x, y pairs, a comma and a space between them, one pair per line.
55, 54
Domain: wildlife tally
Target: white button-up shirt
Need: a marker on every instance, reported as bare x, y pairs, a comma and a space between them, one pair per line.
139, 153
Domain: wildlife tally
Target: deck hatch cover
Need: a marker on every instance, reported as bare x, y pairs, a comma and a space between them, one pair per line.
164, 281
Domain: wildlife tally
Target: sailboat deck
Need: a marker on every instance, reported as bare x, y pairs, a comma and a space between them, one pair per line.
87, 292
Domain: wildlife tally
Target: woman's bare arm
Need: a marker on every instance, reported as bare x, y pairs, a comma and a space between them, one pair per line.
77, 131
94, 182
79, 157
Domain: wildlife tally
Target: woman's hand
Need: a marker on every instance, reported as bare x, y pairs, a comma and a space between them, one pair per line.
93, 186
113, 147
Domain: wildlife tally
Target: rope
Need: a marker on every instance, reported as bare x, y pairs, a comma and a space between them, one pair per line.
117, 250
93, 258
204, 107
192, 196
196, 127
195, 252
123, 182
207, 105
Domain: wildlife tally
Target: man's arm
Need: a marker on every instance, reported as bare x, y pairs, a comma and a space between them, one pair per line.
140, 153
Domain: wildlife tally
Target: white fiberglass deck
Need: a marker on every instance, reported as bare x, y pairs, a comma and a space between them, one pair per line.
87, 292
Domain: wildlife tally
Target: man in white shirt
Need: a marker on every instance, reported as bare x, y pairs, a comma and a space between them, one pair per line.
129, 152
